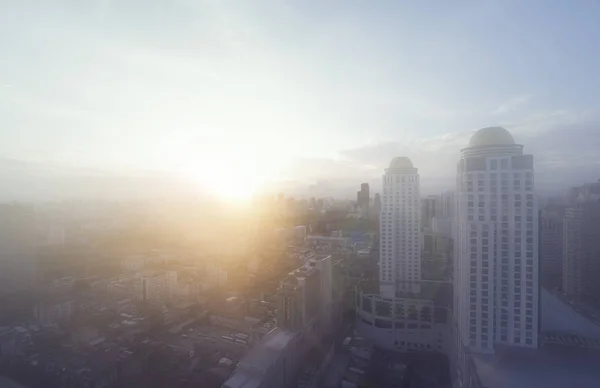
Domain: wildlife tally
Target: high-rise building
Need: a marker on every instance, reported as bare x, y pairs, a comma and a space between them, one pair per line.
400, 255
581, 250
305, 295
18, 266
304, 311
442, 226
496, 272
447, 205
551, 247
429, 206
362, 199
377, 204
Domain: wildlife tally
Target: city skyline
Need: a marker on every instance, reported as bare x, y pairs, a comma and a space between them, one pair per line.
299, 193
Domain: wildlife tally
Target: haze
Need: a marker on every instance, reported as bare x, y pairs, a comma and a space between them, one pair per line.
301, 92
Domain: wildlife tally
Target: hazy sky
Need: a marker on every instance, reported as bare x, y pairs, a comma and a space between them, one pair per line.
297, 90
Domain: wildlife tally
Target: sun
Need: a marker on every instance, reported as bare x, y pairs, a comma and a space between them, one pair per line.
230, 176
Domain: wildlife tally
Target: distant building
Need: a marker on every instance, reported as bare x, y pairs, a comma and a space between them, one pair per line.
551, 246
377, 204
400, 256
434, 244
18, 268
171, 278
132, 264
447, 205
442, 226
445, 217
581, 250
429, 206
362, 199
588, 192
155, 288
328, 242
50, 312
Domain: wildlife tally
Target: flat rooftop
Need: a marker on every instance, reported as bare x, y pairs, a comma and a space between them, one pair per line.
252, 368
547, 367
560, 317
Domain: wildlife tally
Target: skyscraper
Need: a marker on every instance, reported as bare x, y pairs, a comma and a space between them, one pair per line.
18, 267
551, 251
496, 272
581, 250
447, 205
377, 204
428, 210
362, 199
400, 249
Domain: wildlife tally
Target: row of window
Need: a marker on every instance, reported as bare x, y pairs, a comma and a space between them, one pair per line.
504, 175
471, 217
401, 178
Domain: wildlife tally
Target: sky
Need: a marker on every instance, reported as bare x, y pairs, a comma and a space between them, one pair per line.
241, 93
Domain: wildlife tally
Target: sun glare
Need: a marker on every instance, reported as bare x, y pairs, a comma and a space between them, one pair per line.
232, 177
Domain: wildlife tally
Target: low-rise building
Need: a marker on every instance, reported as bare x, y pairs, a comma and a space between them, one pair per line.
407, 323
52, 311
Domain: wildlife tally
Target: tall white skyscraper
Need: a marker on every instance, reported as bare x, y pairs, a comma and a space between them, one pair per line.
400, 248
496, 258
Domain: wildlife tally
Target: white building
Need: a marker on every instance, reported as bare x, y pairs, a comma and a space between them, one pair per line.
400, 256
496, 248
406, 314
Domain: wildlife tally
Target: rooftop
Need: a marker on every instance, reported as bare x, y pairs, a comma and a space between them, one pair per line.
559, 317
548, 367
401, 162
263, 354
491, 136
255, 364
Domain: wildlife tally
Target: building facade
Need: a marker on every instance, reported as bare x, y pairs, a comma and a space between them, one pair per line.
581, 251
377, 204
551, 247
447, 205
154, 288
18, 264
430, 207
496, 250
362, 199
400, 255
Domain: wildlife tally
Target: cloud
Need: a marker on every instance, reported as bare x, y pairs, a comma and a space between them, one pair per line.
565, 155
512, 104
